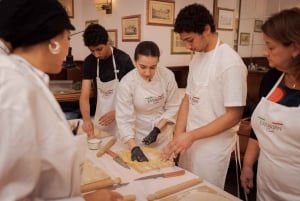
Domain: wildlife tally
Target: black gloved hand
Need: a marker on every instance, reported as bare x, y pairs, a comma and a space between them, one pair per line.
138, 155
152, 136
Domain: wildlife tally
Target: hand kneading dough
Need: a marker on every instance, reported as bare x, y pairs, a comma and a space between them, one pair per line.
154, 162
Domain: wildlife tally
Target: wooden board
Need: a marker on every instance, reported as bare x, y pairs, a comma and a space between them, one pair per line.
154, 162
90, 173
195, 194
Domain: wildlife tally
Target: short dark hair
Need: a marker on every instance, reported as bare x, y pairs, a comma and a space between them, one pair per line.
94, 35
194, 18
146, 48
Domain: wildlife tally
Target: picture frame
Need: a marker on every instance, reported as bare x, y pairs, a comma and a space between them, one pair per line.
131, 28
87, 23
177, 45
257, 25
225, 19
69, 7
244, 39
160, 12
113, 37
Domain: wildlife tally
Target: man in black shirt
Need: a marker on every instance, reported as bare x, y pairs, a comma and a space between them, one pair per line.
105, 67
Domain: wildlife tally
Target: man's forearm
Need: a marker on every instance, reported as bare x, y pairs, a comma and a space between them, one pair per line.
182, 115
85, 109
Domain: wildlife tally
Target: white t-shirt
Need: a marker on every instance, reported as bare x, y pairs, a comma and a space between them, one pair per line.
225, 76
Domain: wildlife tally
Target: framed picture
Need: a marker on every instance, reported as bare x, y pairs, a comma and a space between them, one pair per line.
177, 45
113, 37
131, 28
160, 12
225, 19
69, 6
87, 23
244, 38
257, 25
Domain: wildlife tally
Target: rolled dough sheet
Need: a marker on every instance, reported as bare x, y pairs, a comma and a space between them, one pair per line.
91, 173
154, 162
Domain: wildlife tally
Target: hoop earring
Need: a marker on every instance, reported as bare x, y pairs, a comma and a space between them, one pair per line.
56, 49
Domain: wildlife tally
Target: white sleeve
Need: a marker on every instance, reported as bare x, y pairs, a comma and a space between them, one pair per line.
19, 155
235, 86
125, 113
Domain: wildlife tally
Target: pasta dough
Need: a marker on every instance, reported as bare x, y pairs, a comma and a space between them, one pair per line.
154, 162
91, 173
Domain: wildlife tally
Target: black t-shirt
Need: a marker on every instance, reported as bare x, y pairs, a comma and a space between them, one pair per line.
106, 68
291, 97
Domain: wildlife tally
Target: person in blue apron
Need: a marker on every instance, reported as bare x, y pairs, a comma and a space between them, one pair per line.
214, 100
104, 67
40, 157
147, 102
275, 138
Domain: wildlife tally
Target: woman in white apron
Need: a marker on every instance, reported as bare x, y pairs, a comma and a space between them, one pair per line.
276, 119
147, 102
214, 100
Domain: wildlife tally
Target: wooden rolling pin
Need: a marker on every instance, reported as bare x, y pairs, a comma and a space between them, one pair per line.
128, 198
99, 184
108, 145
173, 189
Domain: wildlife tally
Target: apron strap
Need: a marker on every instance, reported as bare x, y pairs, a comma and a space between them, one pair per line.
238, 165
116, 71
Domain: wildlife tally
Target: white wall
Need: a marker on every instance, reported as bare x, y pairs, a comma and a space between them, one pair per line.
85, 10
252, 10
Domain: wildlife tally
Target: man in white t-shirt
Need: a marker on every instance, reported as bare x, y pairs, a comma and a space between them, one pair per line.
214, 100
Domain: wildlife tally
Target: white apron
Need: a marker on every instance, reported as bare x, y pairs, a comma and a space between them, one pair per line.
278, 133
208, 158
149, 100
106, 98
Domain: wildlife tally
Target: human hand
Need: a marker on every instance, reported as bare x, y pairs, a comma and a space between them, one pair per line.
138, 155
152, 136
88, 128
103, 195
107, 118
179, 144
246, 178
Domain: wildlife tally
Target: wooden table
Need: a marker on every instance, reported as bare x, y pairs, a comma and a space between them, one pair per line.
63, 91
143, 188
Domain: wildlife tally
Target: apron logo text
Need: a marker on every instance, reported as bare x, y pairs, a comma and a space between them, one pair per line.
106, 93
195, 100
270, 126
153, 99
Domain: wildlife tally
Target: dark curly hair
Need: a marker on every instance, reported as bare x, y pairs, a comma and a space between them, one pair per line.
95, 35
194, 18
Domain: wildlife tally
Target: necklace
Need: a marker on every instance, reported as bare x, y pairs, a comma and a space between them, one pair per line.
293, 84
